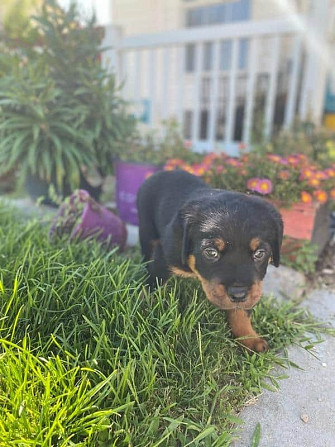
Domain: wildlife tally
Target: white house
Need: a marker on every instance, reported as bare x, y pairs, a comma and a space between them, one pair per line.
222, 67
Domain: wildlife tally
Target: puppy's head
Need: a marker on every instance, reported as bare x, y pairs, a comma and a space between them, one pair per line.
228, 242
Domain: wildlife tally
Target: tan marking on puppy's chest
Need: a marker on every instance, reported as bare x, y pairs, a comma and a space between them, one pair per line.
183, 273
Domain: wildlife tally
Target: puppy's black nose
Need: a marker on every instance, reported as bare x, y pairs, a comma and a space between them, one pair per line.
237, 294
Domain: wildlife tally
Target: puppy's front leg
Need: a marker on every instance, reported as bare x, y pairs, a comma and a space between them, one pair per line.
240, 323
158, 269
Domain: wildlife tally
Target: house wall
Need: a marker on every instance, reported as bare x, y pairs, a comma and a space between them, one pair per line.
149, 16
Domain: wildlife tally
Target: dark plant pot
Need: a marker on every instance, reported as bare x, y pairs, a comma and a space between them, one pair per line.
37, 188
128, 177
81, 217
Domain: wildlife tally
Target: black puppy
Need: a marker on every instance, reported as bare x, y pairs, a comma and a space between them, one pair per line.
225, 239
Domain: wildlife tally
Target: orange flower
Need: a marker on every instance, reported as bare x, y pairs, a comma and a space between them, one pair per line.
306, 173
253, 183
330, 172
284, 174
321, 196
306, 197
321, 175
293, 160
265, 186
188, 168
209, 158
332, 194
198, 169
168, 168
274, 157
302, 157
314, 182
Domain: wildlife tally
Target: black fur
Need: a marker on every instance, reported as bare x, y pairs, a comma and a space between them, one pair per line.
179, 216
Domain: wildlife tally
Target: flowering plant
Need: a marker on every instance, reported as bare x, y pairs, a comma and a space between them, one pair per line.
290, 179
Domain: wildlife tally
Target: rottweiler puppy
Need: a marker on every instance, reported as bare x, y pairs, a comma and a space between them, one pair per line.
224, 239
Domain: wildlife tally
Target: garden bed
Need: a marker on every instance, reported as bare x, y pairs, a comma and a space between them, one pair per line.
90, 358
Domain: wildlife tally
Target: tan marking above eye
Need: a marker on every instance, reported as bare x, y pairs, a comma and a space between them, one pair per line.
254, 243
220, 244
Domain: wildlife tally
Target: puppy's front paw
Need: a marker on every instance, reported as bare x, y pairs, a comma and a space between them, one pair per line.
257, 344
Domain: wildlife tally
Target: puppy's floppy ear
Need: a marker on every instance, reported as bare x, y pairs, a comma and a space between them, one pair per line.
277, 240
185, 242
186, 218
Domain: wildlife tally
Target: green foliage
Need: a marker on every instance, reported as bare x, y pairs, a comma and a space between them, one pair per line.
16, 19
256, 436
60, 111
158, 149
316, 142
40, 129
303, 257
90, 358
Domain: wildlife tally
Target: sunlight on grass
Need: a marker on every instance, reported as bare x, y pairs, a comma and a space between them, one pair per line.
89, 358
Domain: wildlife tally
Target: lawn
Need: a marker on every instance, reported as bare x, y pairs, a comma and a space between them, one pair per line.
89, 358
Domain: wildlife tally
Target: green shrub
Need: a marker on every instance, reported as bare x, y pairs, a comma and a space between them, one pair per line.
61, 112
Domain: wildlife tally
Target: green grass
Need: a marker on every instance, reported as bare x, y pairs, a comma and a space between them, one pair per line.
89, 358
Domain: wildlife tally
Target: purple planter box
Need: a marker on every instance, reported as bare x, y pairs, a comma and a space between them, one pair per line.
82, 217
129, 177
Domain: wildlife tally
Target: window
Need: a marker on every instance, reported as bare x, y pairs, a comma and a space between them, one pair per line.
208, 15
226, 12
233, 11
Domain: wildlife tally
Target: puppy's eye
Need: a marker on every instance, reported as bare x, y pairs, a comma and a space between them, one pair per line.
211, 254
259, 255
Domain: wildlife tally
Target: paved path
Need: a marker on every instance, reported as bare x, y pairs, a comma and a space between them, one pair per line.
302, 412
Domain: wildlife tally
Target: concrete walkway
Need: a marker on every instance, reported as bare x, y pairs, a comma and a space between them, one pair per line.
302, 412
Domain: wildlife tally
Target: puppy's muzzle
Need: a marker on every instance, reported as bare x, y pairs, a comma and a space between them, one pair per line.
237, 294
